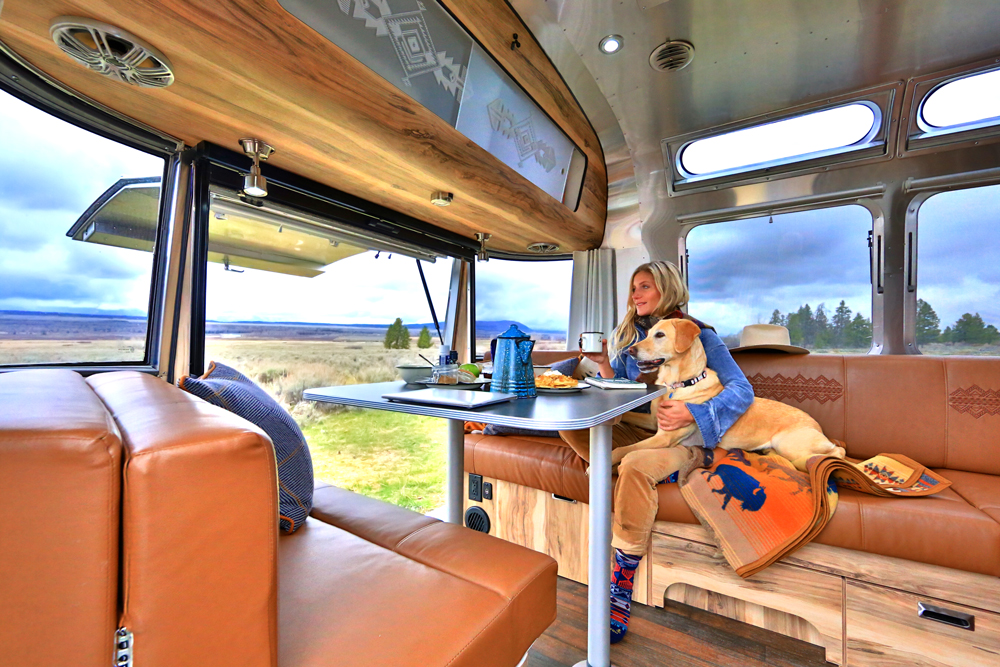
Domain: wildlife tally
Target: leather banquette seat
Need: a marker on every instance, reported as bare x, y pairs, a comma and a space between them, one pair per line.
943, 412
127, 502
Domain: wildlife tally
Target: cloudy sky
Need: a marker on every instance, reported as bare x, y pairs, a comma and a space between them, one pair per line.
740, 271
50, 172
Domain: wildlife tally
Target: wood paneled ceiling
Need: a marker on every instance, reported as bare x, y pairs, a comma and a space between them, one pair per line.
248, 68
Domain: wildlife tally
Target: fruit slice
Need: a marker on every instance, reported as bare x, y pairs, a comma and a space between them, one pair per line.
471, 369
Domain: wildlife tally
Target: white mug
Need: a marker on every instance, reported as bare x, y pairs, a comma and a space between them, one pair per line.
592, 341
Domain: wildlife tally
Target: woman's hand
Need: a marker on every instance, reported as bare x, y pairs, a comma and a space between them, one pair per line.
601, 359
672, 415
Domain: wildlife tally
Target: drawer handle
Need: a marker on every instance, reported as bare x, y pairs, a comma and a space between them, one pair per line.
956, 619
556, 496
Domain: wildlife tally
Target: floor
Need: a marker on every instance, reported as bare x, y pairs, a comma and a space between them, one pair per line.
678, 636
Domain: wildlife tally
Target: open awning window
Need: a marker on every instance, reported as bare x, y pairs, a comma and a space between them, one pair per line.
803, 137
268, 238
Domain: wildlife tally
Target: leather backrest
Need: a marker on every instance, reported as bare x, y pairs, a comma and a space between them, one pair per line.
199, 527
941, 411
60, 465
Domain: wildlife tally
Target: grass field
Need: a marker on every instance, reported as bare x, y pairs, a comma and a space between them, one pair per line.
394, 457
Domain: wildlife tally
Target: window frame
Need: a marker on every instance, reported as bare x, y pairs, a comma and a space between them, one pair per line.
884, 101
876, 252
29, 85
921, 137
911, 246
217, 166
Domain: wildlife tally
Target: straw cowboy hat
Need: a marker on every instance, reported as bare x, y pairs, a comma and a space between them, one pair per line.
767, 337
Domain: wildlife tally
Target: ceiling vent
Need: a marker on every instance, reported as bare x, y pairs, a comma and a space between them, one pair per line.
672, 55
112, 52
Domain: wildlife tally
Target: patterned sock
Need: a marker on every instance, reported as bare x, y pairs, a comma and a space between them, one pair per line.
621, 593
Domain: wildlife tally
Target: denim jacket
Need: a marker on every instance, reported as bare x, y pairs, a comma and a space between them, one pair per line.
715, 416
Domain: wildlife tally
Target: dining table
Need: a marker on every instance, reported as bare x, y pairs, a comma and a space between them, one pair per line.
592, 408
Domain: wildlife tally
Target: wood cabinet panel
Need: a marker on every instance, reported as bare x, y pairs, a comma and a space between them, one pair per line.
815, 597
249, 68
884, 630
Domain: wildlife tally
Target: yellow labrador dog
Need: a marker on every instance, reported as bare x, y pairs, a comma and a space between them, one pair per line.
673, 347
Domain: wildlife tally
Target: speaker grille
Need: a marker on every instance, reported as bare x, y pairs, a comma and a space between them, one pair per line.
111, 52
477, 519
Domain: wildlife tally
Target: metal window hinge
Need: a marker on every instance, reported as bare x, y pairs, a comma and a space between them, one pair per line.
123, 648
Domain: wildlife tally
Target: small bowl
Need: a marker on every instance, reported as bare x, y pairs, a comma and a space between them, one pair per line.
413, 372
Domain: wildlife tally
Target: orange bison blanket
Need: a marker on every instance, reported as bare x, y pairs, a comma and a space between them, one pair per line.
760, 508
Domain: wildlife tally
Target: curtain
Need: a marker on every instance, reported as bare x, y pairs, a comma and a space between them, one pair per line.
593, 305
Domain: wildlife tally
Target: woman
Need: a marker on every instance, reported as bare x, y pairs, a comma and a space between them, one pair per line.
657, 292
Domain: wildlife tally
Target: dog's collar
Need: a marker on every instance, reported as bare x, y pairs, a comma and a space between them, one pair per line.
693, 381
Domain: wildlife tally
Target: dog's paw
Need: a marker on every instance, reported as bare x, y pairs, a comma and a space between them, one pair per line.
839, 452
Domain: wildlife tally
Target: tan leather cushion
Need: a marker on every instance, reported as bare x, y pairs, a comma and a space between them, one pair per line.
406, 590
548, 464
60, 480
199, 527
980, 491
942, 529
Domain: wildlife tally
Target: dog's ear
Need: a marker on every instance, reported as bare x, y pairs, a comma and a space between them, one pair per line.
686, 332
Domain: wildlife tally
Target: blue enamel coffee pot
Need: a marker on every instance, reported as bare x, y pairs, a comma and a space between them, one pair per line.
513, 372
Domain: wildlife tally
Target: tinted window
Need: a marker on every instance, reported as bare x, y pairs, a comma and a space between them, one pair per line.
969, 100
799, 138
958, 273
808, 271
78, 221
534, 295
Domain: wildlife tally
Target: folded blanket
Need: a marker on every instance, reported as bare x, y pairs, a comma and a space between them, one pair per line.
760, 508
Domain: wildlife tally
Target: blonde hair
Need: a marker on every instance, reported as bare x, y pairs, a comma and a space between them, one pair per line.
673, 295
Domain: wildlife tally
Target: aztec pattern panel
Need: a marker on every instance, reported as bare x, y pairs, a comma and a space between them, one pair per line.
975, 401
798, 388
419, 48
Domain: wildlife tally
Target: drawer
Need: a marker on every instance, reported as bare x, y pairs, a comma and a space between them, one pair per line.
780, 597
884, 629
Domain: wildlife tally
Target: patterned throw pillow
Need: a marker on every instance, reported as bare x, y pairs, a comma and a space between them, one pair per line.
230, 389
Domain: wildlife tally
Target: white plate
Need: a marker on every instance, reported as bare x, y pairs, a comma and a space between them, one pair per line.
563, 390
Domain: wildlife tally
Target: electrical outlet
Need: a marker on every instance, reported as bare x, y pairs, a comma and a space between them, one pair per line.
476, 488
487, 491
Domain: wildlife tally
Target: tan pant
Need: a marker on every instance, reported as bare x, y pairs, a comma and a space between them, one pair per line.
639, 473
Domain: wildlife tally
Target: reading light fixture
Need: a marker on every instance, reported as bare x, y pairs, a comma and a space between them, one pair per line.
483, 255
612, 44
254, 183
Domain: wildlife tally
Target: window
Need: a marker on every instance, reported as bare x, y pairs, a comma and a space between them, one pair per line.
804, 137
808, 271
293, 307
963, 103
78, 223
535, 295
958, 272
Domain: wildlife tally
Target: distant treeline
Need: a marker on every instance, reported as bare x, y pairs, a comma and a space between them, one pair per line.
969, 328
817, 329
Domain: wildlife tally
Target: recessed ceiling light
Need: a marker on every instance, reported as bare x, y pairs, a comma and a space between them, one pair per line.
612, 44
442, 198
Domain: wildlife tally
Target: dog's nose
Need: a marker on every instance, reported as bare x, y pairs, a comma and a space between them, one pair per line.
631, 351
